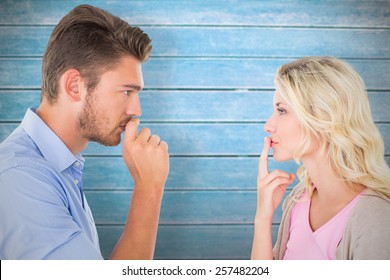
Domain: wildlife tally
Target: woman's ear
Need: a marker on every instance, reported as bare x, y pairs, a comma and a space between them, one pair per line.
70, 84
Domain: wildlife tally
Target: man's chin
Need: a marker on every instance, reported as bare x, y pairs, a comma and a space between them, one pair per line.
113, 143
108, 142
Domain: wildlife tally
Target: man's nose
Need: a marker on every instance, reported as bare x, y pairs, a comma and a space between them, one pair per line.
134, 106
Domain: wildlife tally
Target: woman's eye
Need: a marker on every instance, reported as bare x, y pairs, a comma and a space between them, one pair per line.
281, 111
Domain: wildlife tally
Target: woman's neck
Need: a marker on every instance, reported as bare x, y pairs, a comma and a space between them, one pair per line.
331, 194
329, 187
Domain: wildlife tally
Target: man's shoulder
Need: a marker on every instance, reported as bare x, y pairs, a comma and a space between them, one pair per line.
18, 149
23, 171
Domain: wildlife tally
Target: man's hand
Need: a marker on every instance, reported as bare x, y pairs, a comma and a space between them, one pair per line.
146, 156
147, 159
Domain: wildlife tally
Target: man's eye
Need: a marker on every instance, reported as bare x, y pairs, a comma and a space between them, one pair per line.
126, 92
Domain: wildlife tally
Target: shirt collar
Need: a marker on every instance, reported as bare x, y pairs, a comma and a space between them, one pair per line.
50, 145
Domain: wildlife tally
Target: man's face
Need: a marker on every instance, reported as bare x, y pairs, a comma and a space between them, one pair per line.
113, 102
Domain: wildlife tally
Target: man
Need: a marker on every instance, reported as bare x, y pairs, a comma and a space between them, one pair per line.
91, 79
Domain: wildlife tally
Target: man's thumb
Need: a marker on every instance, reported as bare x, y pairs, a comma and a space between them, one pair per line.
131, 130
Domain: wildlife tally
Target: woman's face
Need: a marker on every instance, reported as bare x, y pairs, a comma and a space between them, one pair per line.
284, 128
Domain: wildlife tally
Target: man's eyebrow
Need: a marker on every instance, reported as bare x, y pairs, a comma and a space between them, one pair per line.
131, 86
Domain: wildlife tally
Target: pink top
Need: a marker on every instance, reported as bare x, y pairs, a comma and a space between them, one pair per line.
304, 244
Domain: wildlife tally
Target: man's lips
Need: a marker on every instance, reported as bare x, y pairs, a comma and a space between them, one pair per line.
123, 126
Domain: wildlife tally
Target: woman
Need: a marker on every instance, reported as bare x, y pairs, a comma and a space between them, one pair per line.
341, 207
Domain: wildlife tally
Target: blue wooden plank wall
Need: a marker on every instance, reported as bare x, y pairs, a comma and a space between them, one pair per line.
208, 91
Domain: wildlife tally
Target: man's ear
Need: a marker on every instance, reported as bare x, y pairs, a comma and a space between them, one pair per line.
71, 83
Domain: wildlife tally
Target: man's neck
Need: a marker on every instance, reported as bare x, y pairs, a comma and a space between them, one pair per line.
63, 123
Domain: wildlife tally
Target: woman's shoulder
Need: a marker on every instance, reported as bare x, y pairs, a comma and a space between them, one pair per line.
371, 198
367, 232
373, 207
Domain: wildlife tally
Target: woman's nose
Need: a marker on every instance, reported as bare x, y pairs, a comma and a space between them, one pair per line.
269, 126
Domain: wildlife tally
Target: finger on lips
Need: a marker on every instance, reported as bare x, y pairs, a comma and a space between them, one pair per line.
263, 165
131, 130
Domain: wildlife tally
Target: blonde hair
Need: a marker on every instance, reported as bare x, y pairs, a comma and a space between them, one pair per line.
330, 100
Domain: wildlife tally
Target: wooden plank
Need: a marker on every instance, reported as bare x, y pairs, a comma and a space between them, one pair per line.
210, 139
189, 106
211, 73
205, 242
24, 41
241, 73
192, 242
244, 13
227, 41
14, 104
182, 207
186, 173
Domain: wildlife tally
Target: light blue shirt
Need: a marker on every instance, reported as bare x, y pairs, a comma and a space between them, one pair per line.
43, 210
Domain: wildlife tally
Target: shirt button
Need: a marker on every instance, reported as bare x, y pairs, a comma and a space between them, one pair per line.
77, 163
76, 181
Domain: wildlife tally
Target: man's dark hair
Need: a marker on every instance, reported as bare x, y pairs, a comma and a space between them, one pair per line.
92, 41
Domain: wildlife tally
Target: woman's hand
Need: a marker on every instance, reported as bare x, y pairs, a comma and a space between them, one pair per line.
270, 186
270, 190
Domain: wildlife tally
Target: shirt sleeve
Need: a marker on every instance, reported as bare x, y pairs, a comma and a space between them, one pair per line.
36, 222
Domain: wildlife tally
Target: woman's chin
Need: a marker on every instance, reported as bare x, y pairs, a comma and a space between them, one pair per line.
279, 157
